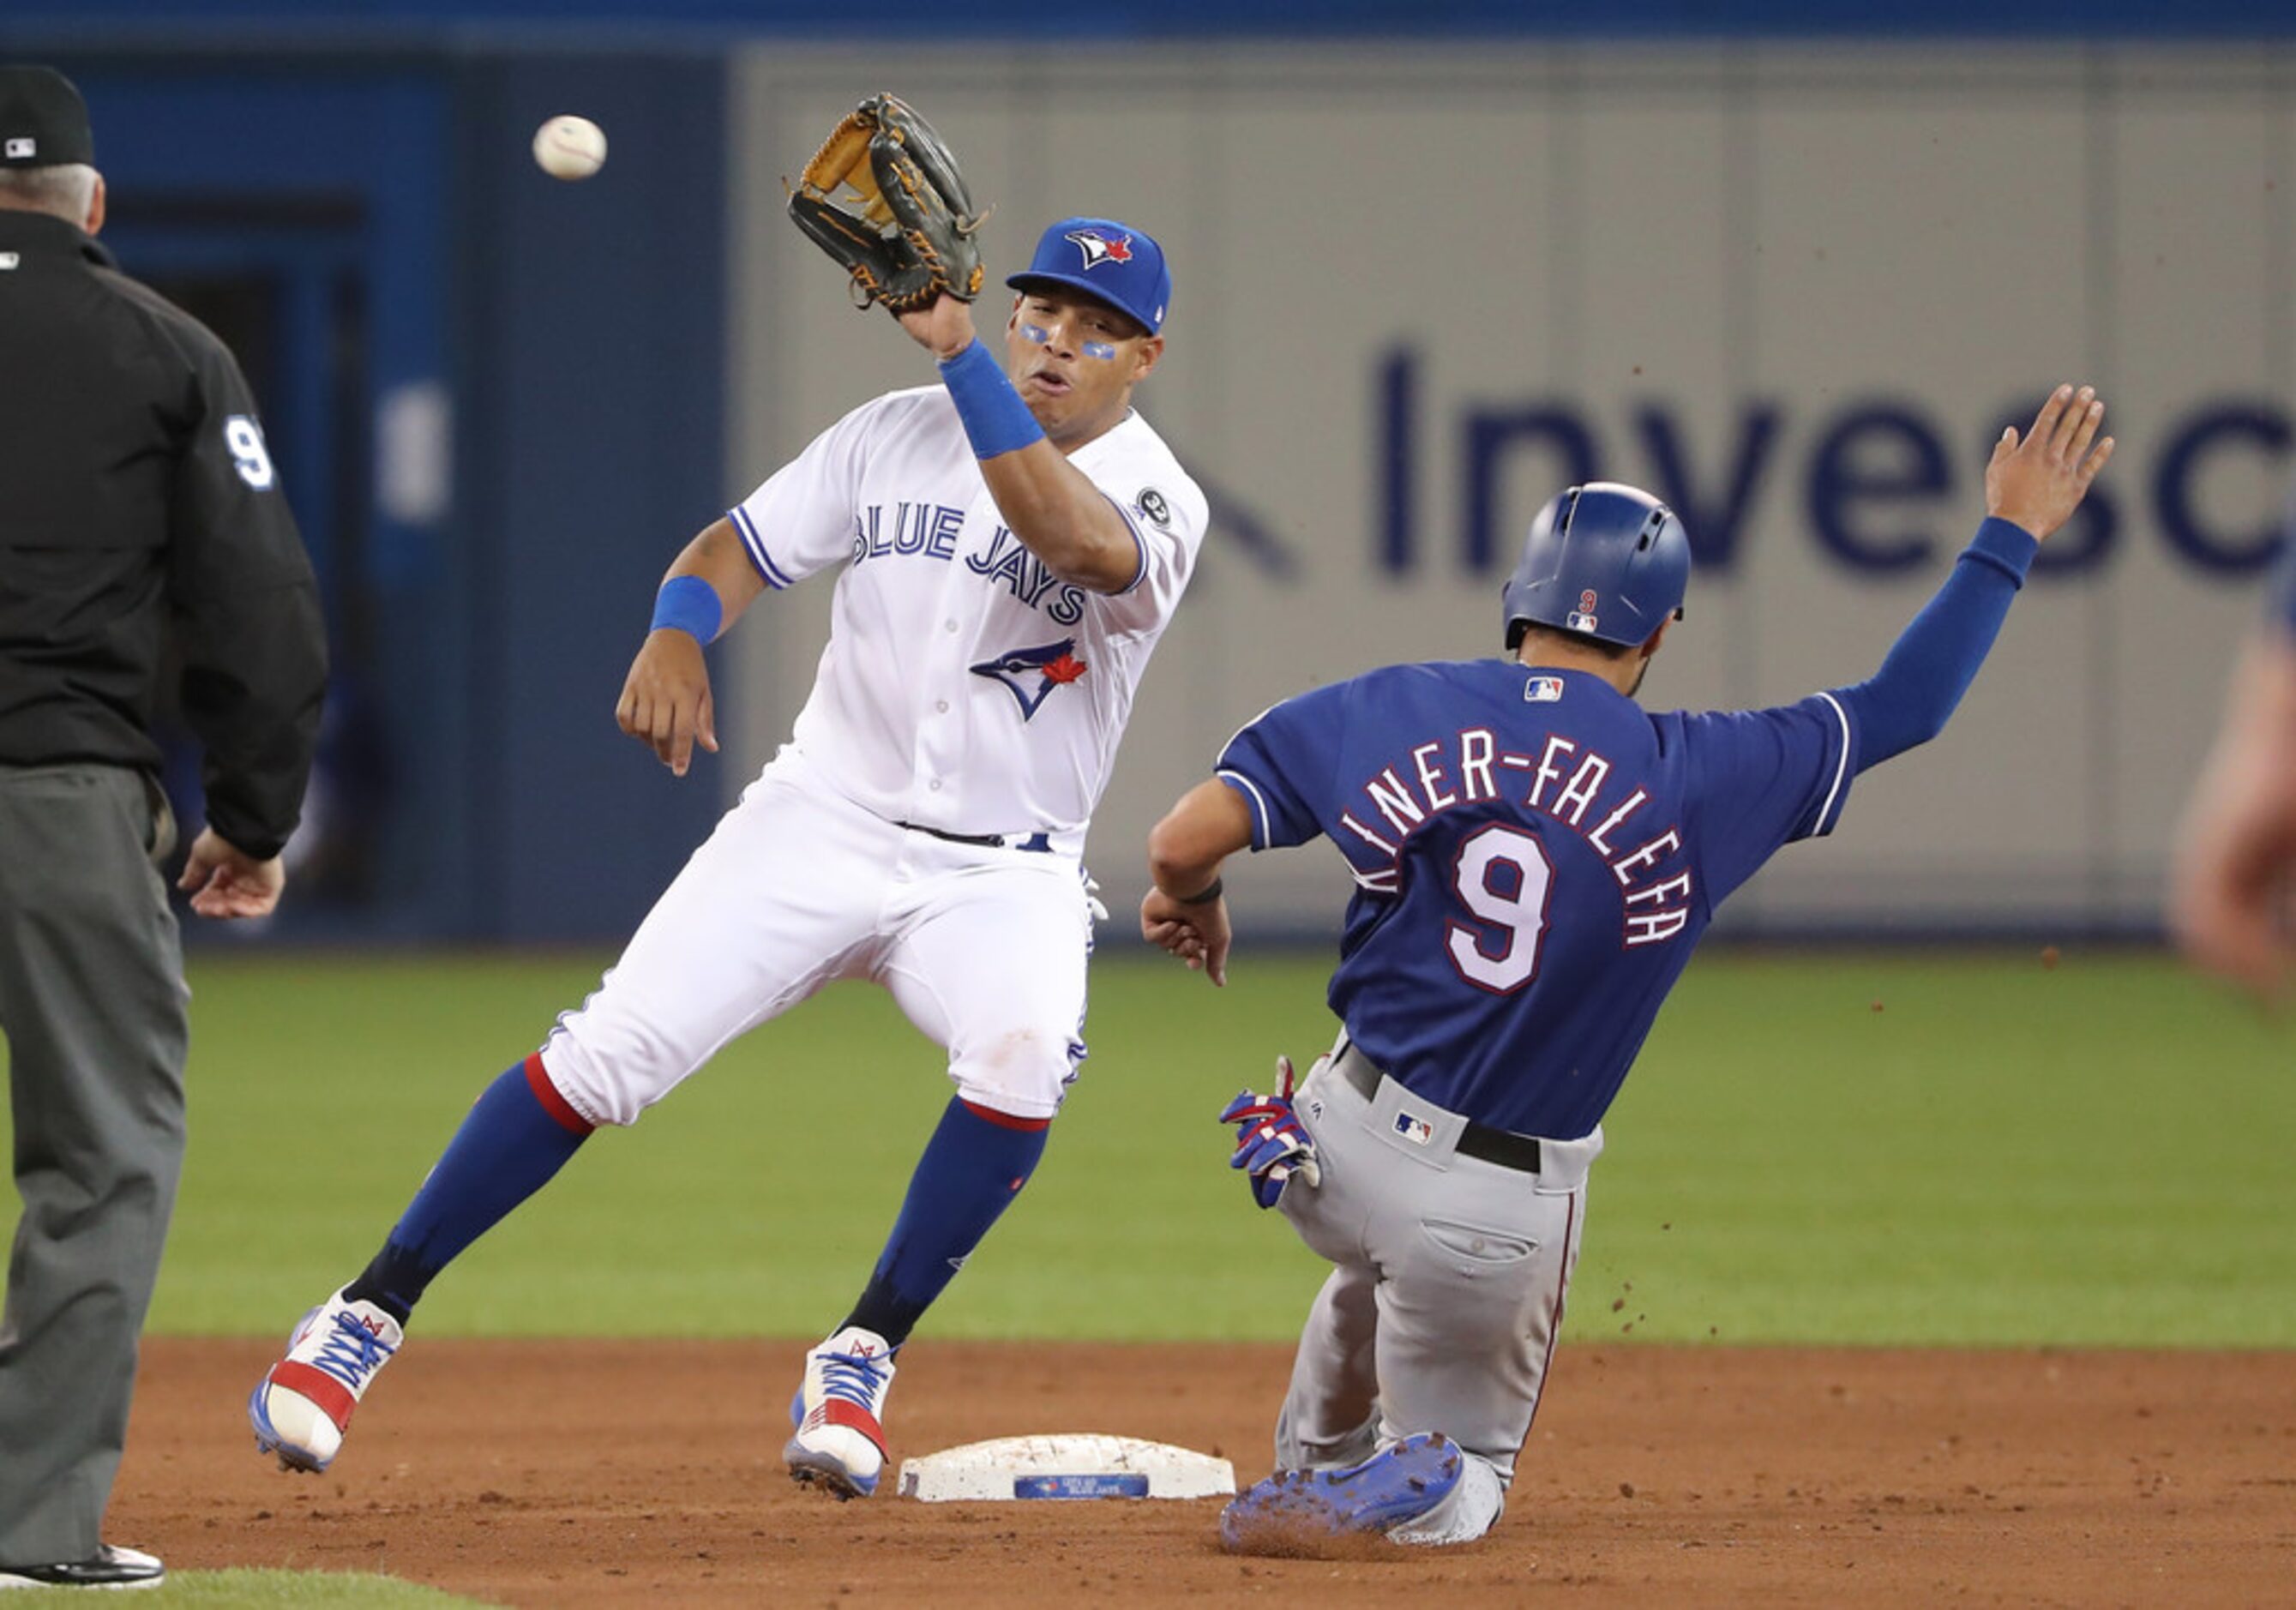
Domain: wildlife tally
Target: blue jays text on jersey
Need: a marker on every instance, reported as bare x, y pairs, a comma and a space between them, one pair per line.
930, 530
964, 688
1535, 857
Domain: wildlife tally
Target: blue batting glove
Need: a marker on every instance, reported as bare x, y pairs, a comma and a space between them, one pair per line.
1272, 1147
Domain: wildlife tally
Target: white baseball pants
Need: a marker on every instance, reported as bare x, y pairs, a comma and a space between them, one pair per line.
983, 947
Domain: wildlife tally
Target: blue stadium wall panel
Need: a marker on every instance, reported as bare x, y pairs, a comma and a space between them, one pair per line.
594, 330
497, 405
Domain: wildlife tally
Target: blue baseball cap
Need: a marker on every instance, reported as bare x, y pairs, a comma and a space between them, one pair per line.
1122, 265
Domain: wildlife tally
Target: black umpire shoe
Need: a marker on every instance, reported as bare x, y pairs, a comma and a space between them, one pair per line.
107, 1567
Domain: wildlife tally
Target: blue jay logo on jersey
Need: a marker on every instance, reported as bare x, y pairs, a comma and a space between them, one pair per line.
1543, 690
1032, 673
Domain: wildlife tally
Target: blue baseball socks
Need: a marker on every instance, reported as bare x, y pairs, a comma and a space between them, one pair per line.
973, 1166
518, 1134
521, 1133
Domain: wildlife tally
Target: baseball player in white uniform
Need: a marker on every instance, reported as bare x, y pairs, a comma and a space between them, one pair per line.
1012, 540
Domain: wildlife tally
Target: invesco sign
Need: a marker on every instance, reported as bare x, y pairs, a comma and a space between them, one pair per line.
1882, 484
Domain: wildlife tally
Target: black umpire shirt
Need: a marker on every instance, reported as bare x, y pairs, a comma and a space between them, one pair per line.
135, 490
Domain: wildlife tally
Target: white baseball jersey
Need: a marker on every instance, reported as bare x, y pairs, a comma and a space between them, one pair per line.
965, 687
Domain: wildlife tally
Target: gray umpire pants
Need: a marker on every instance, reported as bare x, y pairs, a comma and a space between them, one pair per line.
92, 1003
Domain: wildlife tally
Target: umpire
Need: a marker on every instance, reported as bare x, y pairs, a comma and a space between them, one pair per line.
135, 497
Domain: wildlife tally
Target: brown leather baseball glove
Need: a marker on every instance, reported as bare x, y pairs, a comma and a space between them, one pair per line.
884, 197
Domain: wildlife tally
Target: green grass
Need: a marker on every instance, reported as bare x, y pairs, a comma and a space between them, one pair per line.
2095, 1154
2099, 1154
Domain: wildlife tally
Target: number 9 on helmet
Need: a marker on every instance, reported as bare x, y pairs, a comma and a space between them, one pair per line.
1604, 561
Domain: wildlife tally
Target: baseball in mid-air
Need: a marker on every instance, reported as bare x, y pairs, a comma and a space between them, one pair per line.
568, 147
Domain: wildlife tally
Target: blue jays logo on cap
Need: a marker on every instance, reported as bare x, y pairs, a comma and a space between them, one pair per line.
1098, 248
1104, 258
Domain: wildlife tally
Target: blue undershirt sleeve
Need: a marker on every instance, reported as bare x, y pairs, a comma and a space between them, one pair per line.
1930, 666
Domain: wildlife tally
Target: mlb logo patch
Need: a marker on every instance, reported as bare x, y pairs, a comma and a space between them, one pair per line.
1543, 690
1418, 1131
22, 148
8, 260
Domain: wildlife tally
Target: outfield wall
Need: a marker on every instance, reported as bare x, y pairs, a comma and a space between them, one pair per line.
1797, 290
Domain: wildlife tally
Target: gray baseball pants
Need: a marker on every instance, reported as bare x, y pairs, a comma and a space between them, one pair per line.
92, 1003
1445, 1292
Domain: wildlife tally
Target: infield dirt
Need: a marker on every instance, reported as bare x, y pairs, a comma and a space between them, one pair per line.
627, 1473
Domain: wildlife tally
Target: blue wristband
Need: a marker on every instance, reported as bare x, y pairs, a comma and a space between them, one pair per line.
996, 420
688, 604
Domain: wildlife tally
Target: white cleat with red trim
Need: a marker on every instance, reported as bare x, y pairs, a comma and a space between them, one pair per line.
839, 1443
302, 1406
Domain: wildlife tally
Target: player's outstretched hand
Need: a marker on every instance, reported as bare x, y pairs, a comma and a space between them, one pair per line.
942, 326
225, 881
665, 699
1197, 933
2038, 482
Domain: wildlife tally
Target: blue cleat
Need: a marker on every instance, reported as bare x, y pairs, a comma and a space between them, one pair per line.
1393, 1487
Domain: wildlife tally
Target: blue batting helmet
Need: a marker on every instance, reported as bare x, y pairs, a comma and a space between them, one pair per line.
1603, 560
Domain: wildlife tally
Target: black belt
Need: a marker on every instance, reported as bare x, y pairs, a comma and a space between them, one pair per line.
1504, 1147
986, 841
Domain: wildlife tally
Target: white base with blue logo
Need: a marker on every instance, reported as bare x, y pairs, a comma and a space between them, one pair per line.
1084, 1465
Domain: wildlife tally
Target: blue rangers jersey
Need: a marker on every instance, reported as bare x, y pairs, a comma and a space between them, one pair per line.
1535, 857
